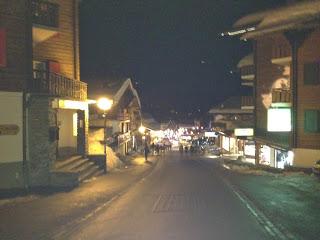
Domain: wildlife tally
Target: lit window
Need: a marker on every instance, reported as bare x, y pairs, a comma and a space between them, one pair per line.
75, 124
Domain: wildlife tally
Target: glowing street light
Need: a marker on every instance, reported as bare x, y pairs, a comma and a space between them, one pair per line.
105, 104
142, 129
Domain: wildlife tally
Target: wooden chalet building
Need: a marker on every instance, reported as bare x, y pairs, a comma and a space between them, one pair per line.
287, 82
234, 122
123, 119
44, 110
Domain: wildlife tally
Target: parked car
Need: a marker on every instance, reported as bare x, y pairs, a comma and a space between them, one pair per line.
316, 168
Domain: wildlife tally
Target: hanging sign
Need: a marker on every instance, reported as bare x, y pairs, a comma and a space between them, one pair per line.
9, 129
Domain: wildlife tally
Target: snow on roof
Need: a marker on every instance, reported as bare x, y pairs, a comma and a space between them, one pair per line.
250, 20
304, 10
290, 17
246, 61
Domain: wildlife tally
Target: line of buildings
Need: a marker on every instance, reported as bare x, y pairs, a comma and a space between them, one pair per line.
44, 120
284, 71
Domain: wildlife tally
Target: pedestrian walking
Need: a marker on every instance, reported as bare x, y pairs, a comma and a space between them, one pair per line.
181, 149
146, 152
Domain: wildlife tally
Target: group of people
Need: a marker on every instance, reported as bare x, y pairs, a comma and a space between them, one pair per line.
192, 149
156, 149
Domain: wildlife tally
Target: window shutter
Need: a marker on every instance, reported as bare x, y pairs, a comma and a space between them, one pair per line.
311, 121
3, 48
54, 67
311, 73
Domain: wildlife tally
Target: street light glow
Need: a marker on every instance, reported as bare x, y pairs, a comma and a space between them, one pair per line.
142, 129
104, 104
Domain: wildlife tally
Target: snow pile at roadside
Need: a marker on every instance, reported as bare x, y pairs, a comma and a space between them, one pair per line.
95, 147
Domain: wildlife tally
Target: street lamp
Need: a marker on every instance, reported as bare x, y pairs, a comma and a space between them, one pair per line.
105, 104
142, 129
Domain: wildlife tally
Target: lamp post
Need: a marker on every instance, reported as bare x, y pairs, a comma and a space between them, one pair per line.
105, 104
142, 130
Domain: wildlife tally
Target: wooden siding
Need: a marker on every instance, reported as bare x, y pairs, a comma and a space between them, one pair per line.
13, 17
266, 74
308, 95
64, 47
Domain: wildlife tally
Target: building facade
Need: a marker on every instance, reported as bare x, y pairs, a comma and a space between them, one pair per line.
42, 66
233, 119
123, 119
287, 83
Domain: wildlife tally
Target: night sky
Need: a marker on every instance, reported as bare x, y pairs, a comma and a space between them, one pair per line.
172, 50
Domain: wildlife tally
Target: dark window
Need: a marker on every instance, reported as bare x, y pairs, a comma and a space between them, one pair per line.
311, 73
3, 48
312, 121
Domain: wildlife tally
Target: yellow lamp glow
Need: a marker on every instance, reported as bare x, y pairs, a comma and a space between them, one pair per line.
104, 104
142, 129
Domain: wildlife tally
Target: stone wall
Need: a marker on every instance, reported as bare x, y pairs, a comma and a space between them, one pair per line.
41, 142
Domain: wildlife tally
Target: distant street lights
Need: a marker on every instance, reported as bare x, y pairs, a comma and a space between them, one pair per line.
142, 130
105, 104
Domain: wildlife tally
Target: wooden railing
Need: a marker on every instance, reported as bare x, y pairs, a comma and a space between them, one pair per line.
281, 51
58, 85
280, 95
45, 13
247, 101
123, 116
247, 70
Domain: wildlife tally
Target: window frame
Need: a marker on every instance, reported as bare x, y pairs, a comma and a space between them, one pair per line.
317, 111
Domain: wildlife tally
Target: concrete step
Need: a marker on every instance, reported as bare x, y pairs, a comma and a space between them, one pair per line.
60, 165
78, 165
73, 171
89, 172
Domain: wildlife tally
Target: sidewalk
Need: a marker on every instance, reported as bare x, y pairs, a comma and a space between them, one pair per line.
290, 199
39, 216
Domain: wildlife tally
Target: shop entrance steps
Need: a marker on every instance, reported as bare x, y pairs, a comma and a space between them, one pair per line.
72, 171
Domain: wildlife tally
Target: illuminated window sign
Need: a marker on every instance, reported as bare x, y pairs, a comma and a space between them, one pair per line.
279, 120
243, 132
210, 134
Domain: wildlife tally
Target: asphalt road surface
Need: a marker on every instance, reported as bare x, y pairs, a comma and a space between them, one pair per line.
180, 199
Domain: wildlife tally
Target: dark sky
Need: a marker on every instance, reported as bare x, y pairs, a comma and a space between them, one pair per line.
171, 49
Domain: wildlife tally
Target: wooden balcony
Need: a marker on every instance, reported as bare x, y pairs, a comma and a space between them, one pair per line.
57, 85
281, 54
281, 96
247, 102
123, 117
45, 19
247, 75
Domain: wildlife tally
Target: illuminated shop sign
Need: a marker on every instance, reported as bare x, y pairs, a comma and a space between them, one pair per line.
243, 132
210, 134
279, 120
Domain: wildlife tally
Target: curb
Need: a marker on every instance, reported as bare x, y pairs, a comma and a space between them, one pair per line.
270, 228
65, 231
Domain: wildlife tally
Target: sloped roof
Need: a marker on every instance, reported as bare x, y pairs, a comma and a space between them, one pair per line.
296, 16
107, 87
149, 122
246, 61
250, 20
113, 89
229, 106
